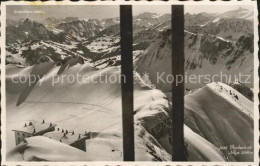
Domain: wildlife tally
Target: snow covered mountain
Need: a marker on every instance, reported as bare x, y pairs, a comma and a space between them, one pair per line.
89, 33
26, 30
147, 19
38, 51
100, 112
223, 117
216, 114
203, 17
237, 13
230, 25
243, 89
80, 29
204, 54
228, 28
220, 43
53, 22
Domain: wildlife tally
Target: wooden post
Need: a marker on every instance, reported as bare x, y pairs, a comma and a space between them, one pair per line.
126, 32
178, 88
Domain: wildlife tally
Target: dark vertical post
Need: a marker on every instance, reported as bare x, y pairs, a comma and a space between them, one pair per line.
178, 88
126, 31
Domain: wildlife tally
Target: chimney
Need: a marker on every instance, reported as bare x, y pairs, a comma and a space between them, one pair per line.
62, 131
25, 125
72, 133
50, 124
43, 121
79, 136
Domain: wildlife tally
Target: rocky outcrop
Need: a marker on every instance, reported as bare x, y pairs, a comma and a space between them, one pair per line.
204, 54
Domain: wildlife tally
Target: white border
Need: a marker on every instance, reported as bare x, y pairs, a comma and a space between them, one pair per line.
256, 81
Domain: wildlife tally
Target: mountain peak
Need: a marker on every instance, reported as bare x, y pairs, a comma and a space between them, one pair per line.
146, 15
70, 19
26, 20
51, 19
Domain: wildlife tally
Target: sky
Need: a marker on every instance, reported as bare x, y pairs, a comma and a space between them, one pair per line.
192, 9
214, 9
41, 12
138, 9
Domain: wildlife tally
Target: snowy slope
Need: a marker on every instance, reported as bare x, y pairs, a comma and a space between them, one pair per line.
234, 97
199, 149
219, 118
212, 118
94, 107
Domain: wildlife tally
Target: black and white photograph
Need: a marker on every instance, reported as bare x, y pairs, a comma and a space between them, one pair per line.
131, 82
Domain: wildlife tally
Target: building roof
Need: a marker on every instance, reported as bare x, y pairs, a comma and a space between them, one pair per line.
37, 127
68, 139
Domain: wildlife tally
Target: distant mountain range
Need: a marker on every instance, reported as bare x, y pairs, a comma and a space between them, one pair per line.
212, 41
